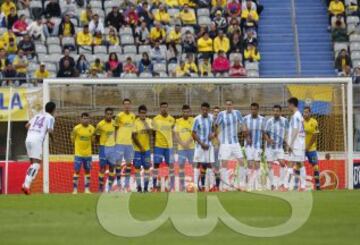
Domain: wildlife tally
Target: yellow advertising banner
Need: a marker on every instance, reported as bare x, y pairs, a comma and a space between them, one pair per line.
23, 103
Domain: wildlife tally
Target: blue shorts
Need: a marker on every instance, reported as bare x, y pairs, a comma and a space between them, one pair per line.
161, 154
142, 159
124, 152
186, 155
82, 161
107, 155
312, 157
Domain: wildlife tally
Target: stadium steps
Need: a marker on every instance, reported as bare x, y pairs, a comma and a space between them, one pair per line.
315, 45
278, 58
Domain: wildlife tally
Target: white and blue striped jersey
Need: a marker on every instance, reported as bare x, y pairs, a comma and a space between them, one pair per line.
276, 129
229, 122
203, 127
255, 127
297, 122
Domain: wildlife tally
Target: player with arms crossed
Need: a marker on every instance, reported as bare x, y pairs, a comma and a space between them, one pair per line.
105, 134
124, 126
185, 142
141, 139
202, 133
37, 127
229, 121
163, 125
296, 145
82, 137
311, 133
275, 133
255, 125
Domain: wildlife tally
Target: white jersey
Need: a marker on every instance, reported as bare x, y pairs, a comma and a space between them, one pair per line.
256, 127
229, 123
276, 129
40, 124
297, 123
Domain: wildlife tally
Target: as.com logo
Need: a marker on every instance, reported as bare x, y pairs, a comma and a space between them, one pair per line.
357, 176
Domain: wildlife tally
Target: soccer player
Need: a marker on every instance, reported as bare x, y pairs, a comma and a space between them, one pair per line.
163, 125
141, 139
311, 133
202, 133
105, 133
275, 131
296, 145
82, 137
253, 144
216, 143
124, 126
229, 121
185, 142
37, 127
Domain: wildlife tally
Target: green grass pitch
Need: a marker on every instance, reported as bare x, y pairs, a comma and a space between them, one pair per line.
68, 219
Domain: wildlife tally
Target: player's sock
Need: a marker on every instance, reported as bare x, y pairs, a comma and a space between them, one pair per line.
303, 177
31, 174
223, 178
138, 178
282, 175
317, 176
87, 181
242, 176
297, 178
172, 177
257, 178
250, 183
111, 179
182, 178
288, 178
127, 176
202, 176
155, 177
217, 179
118, 175
196, 177
271, 176
75, 181
101, 181
209, 177
146, 179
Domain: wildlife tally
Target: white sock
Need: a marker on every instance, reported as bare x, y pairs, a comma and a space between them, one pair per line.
224, 182
242, 176
196, 177
257, 178
282, 175
31, 174
289, 177
271, 177
303, 177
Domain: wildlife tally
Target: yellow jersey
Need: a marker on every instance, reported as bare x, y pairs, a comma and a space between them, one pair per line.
311, 128
221, 44
106, 131
82, 138
125, 124
183, 127
163, 127
84, 39
5, 8
41, 75
142, 134
205, 45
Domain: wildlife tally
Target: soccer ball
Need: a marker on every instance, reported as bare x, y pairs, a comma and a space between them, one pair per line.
190, 188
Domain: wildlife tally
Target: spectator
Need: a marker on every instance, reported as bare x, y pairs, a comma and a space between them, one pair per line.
93, 73
201, 32
343, 63
53, 9
142, 34
157, 33
7, 35
12, 48
98, 39
339, 33
181, 71
188, 44
221, 3
67, 70
249, 14
144, 14
68, 58
250, 39
221, 42
162, 16
3, 59
36, 30
40, 74
251, 54
69, 8
157, 54
205, 68
66, 28
86, 15
205, 46
356, 75
175, 35
221, 64
129, 67
84, 37
233, 27
190, 65
187, 16
113, 65
112, 38
236, 44
217, 6
20, 26
24, 4
172, 53
115, 18
28, 46
336, 7
172, 3
191, 3
126, 4
96, 25
12, 18
237, 69
145, 64
82, 65
50, 30
21, 63
98, 66
213, 30
338, 21
220, 21
9, 74
132, 17
233, 9
252, 3
6, 6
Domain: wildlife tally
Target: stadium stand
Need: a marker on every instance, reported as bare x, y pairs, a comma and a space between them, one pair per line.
128, 38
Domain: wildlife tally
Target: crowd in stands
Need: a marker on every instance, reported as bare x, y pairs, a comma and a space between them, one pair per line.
128, 38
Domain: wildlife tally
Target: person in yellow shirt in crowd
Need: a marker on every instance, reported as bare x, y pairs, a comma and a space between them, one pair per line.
205, 68
336, 8
190, 3
249, 14
163, 125
86, 15
187, 16
98, 66
12, 46
222, 3
21, 63
84, 37
41, 74
221, 42
6, 6
161, 15
82, 136
6, 37
205, 45
3, 59
105, 135
174, 35
112, 38
172, 3
190, 65
251, 53
185, 142
124, 127
311, 129
98, 39
181, 71
141, 140
157, 33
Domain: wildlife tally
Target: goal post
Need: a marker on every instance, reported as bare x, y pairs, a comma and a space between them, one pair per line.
75, 95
